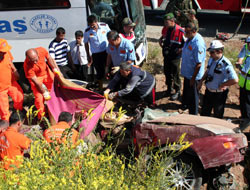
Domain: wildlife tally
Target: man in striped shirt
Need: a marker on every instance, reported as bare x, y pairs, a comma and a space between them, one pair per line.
59, 50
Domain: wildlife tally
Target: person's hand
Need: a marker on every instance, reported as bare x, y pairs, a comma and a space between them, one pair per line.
199, 85
112, 95
90, 60
46, 95
106, 93
89, 64
56, 71
192, 81
222, 87
238, 65
114, 70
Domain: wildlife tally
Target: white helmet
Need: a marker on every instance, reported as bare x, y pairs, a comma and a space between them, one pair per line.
215, 44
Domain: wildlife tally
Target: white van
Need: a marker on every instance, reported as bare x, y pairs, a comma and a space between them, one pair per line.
32, 23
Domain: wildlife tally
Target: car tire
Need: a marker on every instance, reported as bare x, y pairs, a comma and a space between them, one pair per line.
191, 167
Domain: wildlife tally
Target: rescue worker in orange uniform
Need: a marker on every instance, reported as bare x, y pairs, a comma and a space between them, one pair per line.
13, 143
39, 75
8, 78
55, 132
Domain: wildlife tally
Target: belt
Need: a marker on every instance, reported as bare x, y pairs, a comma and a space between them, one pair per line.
212, 90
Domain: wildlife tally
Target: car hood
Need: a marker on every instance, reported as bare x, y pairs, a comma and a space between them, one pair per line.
214, 125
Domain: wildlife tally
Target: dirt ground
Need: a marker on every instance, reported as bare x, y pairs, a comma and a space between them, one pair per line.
232, 111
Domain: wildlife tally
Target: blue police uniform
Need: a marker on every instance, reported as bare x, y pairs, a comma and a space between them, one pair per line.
219, 71
97, 39
193, 52
98, 43
125, 52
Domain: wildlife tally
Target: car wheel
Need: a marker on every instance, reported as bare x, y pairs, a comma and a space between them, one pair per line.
186, 173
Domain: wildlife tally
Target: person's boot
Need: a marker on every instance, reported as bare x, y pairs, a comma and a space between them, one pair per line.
175, 96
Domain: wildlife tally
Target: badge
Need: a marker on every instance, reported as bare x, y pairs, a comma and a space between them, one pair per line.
122, 51
103, 32
130, 51
111, 48
219, 66
190, 47
91, 35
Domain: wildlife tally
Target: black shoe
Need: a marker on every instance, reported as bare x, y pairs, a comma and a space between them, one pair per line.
184, 107
175, 96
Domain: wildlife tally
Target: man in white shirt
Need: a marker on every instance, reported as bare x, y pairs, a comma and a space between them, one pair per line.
79, 56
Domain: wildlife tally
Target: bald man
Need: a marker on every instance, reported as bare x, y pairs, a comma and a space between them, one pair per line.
39, 75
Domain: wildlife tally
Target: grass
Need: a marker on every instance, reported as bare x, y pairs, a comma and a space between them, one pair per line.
154, 64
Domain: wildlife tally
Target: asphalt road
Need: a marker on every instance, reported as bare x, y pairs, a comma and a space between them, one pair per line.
209, 22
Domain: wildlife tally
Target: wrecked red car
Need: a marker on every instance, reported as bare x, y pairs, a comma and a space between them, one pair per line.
216, 145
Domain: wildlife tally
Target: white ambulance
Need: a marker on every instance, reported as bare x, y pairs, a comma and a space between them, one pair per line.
32, 23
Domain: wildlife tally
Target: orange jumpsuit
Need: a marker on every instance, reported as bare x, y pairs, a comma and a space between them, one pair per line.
12, 145
44, 75
55, 133
8, 86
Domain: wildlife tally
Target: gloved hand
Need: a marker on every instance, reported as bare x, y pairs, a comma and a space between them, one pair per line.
114, 70
46, 95
112, 95
55, 70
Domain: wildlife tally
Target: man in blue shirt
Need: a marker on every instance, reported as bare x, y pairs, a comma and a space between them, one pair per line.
219, 76
95, 36
192, 67
119, 50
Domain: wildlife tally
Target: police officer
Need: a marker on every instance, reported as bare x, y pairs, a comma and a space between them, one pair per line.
244, 81
172, 41
95, 36
218, 77
192, 67
119, 50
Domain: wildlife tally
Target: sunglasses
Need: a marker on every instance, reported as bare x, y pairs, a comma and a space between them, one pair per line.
211, 52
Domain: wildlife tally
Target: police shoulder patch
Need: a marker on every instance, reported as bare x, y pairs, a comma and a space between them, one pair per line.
224, 62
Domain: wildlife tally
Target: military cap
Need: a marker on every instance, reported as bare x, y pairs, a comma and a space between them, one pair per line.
168, 16
127, 22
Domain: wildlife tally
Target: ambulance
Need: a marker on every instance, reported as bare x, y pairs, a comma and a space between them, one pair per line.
32, 23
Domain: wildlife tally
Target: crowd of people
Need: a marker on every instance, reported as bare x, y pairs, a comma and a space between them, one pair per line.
113, 56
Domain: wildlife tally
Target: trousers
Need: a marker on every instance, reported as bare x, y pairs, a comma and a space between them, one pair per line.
16, 93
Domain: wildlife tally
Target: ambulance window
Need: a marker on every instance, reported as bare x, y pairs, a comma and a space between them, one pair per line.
33, 4
107, 11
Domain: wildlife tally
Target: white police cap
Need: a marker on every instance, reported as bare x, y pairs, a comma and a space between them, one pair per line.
215, 44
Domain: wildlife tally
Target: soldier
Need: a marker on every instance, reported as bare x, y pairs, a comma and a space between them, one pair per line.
192, 18
172, 44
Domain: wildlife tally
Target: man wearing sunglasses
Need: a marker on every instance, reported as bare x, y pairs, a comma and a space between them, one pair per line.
243, 65
219, 75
